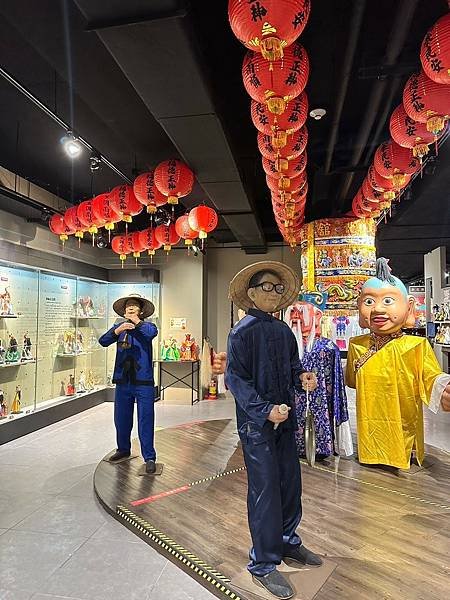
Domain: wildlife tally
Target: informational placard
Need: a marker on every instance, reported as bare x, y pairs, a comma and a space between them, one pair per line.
177, 323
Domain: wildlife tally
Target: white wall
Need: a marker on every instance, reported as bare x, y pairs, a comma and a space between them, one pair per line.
223, 264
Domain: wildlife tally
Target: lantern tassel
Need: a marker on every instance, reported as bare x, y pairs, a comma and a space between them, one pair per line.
271, 49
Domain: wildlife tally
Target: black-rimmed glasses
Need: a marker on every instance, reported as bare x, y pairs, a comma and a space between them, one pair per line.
268, 286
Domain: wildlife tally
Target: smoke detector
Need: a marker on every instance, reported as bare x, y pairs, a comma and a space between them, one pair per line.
317, 113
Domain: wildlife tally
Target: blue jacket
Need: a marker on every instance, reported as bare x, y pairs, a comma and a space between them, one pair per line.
135, 364
263, 368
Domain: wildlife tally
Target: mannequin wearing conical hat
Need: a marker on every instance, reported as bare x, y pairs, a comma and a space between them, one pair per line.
394, 375
328, 402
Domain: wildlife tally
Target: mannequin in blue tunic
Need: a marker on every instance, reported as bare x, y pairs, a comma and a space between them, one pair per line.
133, 376
262, 370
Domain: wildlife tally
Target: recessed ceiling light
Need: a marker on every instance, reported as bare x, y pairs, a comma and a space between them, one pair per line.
72, 146
317, 113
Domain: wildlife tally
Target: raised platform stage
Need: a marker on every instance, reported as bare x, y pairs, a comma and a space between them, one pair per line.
387, 533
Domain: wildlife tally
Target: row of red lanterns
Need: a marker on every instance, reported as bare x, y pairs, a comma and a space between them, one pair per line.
168, 182
414, 125
275, 72
200, 221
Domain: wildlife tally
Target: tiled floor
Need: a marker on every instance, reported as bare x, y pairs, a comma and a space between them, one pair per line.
57, 543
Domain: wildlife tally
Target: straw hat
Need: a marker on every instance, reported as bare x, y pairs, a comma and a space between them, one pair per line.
239, 284
147, 308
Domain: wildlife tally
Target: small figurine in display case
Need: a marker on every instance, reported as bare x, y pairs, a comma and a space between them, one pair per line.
62, 389
189, 348
69, 342
3, 406
12, 353
26, 349
86, 307
90, 383
71, 386
2, 352
79, 343
81, 388
6, 307
15, 408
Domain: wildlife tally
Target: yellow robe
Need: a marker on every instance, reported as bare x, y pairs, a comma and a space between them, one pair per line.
390, 389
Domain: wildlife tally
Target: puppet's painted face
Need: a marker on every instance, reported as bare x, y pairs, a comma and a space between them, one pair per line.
265, 297
303, 313
383, 310
132, 307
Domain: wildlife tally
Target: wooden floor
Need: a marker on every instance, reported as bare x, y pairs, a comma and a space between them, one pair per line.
387, 531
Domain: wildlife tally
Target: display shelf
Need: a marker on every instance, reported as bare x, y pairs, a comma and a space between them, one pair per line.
17, 364
84, 318
72, 355
59, 399
9, 316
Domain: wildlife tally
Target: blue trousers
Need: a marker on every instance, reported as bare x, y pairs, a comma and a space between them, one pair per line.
274, 499
144, 395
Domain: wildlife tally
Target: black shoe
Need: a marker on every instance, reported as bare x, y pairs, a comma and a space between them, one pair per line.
303, 556
275, 583
150, 467
118, 455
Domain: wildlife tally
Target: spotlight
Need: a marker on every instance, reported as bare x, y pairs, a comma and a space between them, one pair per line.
317, 113
71, 145
95, 162
101, 241
162, 217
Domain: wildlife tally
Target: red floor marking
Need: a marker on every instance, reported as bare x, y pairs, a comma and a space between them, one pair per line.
149, 499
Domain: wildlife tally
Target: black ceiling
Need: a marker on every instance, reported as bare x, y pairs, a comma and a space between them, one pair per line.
143, 82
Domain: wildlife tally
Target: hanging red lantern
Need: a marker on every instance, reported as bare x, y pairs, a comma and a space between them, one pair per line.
149, 242
87, 217
125, 202
174, 180
104, 211
203, 219
268, 26
147, 193
366, 203
59, 227
382, 184
296, 144
287, 168
369, 192
394, 162
119, 245
280, 126
427, 102
293, 185
358, 211
167, 236
135, 244
409, 133
185, 231
435, 51
73, 222
276, 83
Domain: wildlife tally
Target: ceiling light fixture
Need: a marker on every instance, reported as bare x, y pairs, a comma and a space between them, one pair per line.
317, 113
72, 146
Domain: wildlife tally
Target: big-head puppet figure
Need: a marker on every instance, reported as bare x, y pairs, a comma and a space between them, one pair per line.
328, 402
393, 373
263, 368
133, 376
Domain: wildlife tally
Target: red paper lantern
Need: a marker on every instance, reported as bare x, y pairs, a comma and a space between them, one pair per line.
167, 236
435, 51
73, 222
59, 227
394, 162
119, 245
174, 180
125, 202
280, 126
268, 26
382, 184
135, 243
369, 192
410, 134
286, 183
104, 211
276, 83
86, 215
287, 168
203, 219
427, 102
149, 241
184, 230
296, 144
147, 193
